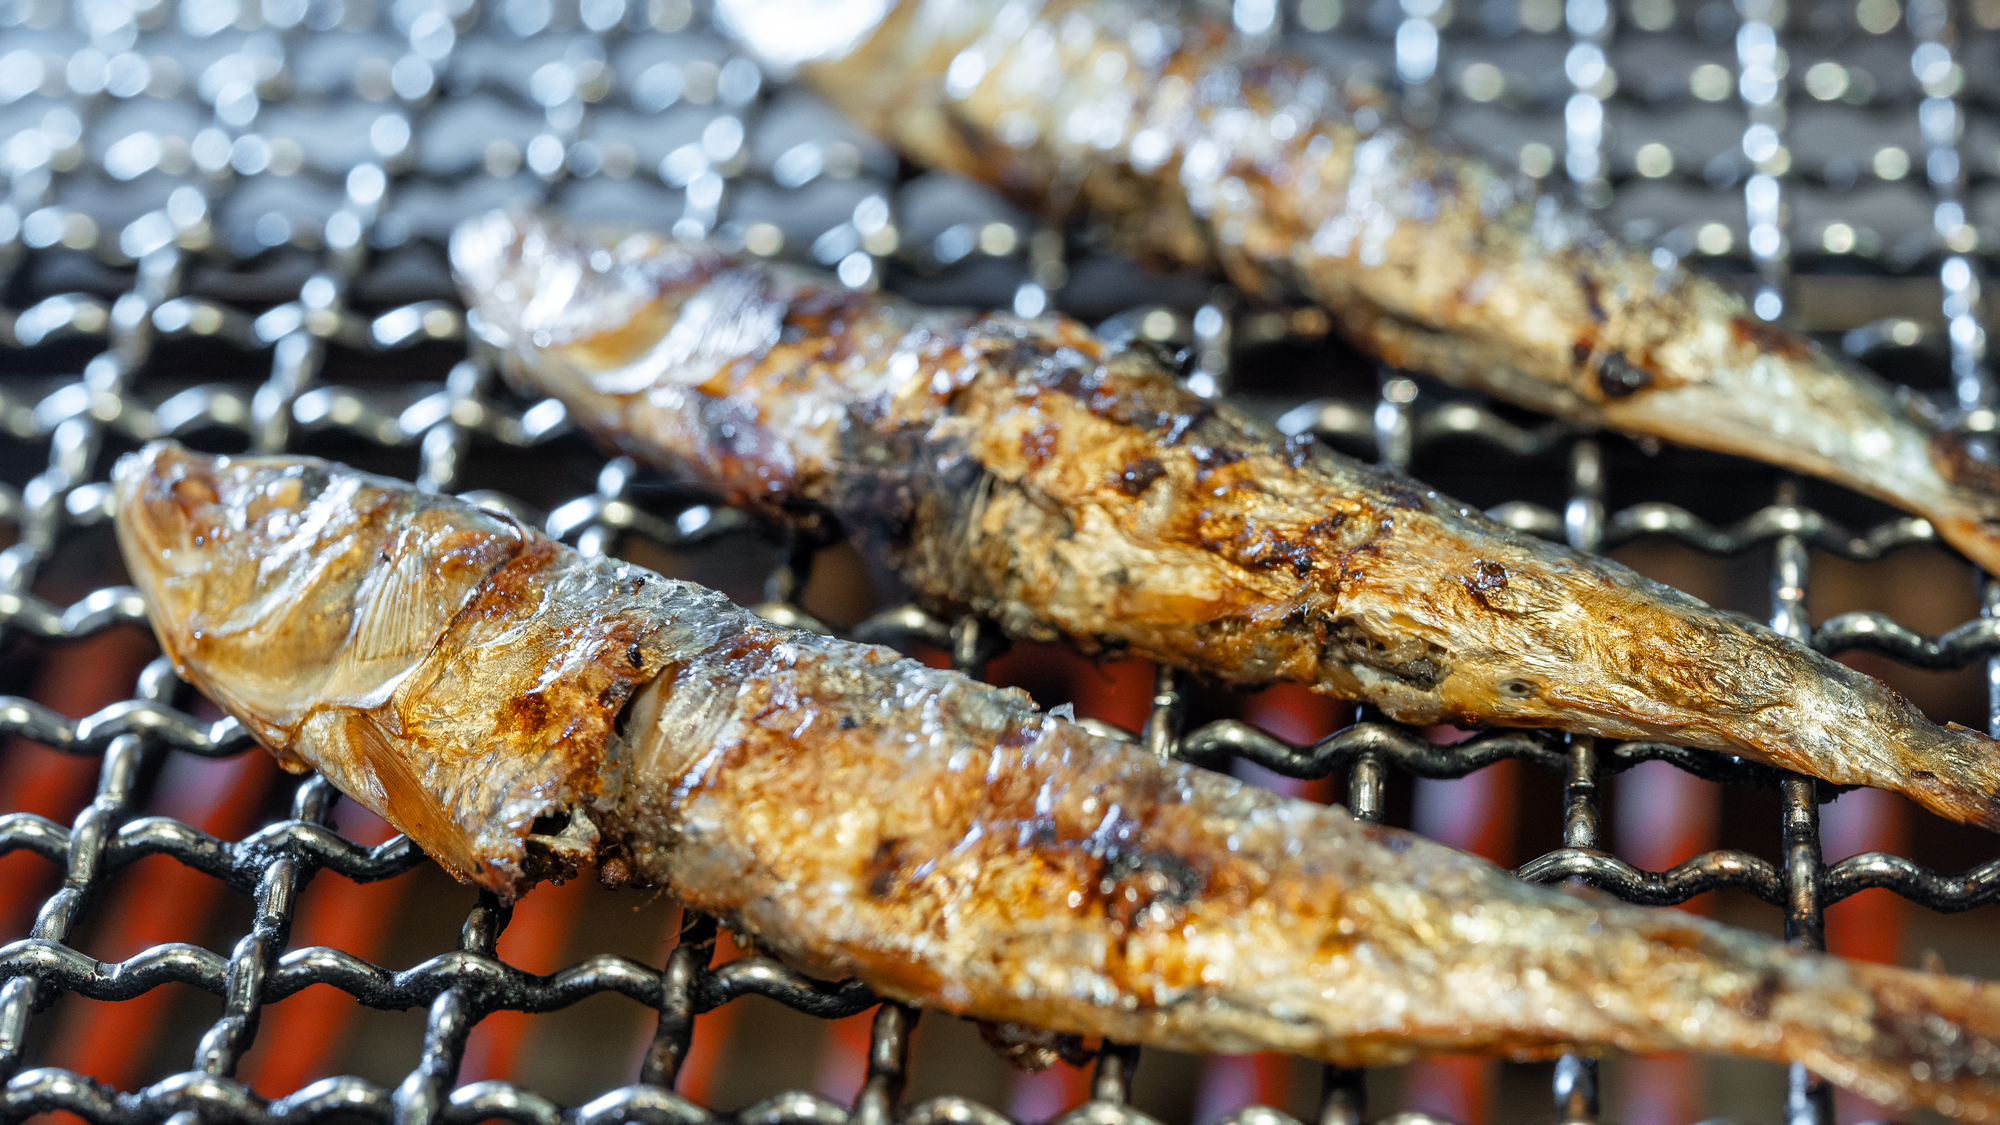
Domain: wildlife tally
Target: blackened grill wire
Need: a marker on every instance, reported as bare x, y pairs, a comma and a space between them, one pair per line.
273, 864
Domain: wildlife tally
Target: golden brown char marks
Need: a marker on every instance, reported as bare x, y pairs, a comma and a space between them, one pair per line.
953, 849
862, 814
1291, 182
1077, 493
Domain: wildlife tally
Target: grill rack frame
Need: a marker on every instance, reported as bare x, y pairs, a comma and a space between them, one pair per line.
458, 988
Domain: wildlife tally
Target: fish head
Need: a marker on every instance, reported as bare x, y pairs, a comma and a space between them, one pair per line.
249, 567
584, 309
436, 661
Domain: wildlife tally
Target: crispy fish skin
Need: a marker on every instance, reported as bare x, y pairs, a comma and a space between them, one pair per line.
1200, 155
862, 814
1077, 493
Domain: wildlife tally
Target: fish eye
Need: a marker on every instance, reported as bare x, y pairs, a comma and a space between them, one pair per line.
1519, 689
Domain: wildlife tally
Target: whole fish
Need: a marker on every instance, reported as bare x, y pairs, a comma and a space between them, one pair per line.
1077, 492
519, 709
1196, 152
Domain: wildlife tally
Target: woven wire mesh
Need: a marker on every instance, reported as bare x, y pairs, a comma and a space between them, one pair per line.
274, 179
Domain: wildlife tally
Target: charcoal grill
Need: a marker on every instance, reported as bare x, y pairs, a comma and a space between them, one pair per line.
261, 179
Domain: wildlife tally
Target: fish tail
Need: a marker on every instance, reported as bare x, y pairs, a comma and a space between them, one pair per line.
1975, 537
1957, 775
1838, 724
1919, 1039
1960, 495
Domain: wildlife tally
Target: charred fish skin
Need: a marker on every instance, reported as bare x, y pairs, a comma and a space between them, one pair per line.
1195, 153
1077, 493
862, 814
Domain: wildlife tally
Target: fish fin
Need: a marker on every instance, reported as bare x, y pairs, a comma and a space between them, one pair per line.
404, 614
411, 806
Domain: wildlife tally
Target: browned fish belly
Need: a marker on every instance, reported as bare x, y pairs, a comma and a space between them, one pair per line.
1074, 492
1198, 154
861, 814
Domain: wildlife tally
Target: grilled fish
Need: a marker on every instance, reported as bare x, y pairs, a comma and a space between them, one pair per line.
1195, 152
480, 686
1076, 492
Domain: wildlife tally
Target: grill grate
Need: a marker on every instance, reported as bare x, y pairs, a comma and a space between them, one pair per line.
274, 177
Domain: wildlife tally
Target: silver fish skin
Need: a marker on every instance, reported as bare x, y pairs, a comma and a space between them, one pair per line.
859, 813
1197, 154
1074, 491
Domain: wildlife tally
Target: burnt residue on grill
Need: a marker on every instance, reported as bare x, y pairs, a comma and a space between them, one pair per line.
1189, 151
987, 457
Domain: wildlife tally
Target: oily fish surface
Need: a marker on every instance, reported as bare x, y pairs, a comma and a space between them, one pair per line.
1192, 150
453, 672
1075, 491
861, 813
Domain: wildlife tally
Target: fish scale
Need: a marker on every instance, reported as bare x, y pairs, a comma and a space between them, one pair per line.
1204, 154
942, 840
1074, 491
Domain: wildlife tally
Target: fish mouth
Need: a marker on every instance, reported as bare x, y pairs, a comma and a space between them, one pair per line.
174, 505
169, 527
581, 307
531, 282
167, 502
486, 253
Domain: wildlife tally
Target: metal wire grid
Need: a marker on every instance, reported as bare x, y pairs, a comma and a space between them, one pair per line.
196, 185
